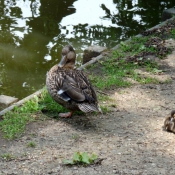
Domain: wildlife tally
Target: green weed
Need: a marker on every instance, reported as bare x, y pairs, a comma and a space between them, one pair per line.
81, 158
31, 144
7, 156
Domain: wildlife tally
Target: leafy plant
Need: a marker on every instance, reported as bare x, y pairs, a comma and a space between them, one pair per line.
81, 158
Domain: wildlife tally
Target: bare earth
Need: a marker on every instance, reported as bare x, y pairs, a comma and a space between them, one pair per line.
130, 139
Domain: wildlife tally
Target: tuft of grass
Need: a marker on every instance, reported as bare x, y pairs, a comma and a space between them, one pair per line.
173, 33
31, 144
75, 136
81, 158
7, 156
150, 66
105, 109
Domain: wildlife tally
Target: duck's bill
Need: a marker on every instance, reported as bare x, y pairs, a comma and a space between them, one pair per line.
62, 62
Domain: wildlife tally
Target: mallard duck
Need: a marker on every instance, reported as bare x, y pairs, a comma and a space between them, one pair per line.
70, 87
169, 123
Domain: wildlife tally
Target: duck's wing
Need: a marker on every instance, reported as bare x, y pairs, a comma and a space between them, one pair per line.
73, 85
77, 87
86, 87
92, 103
70, 89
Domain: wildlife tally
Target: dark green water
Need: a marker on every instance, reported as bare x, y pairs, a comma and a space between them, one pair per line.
33, 32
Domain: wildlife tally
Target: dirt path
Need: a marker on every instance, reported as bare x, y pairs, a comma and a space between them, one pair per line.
130, 138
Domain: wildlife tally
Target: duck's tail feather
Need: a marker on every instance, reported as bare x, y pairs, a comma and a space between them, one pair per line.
89, 108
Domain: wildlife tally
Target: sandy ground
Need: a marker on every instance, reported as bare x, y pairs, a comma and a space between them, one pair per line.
130, 138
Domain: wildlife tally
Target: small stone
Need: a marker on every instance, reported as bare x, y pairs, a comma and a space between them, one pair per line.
7, 100
92, 51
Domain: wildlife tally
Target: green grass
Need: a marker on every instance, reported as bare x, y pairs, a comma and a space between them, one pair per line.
105, 109
7, 156
145, 80
13, 124
106, 102
152, 67
173, 33
135, 46
31, 144
114, 74
115, 69
50, 107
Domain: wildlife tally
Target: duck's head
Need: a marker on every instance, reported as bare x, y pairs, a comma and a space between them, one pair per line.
68, 57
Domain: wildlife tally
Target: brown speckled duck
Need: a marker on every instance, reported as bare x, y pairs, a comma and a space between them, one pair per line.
70, 87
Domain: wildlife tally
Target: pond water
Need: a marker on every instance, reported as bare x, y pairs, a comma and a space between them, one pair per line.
33, 32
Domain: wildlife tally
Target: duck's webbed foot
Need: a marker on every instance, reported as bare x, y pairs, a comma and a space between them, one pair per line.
65, 115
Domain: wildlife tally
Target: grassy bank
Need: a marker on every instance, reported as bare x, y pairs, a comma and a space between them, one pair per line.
114, 71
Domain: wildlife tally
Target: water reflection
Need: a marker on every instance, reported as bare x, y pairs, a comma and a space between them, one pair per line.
32, 33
